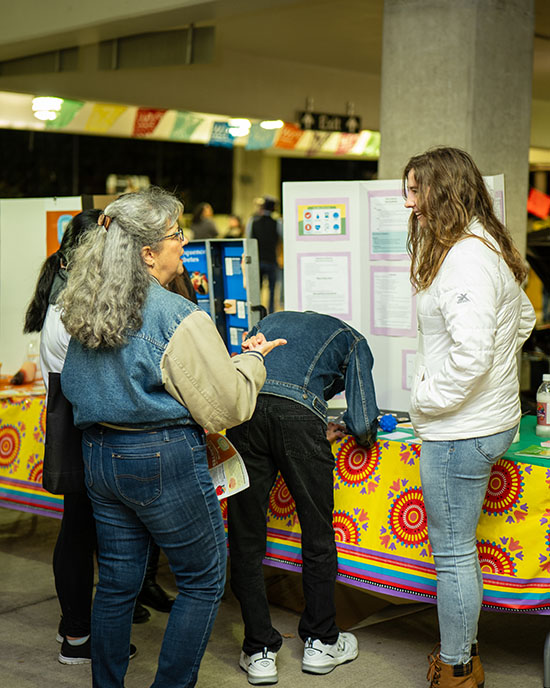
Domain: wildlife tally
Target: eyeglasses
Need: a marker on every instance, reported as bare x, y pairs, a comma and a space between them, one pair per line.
179, 234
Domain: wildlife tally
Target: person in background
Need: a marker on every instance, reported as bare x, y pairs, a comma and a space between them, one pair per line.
146, 371
235, 227
288, 433
182, 285
269, 233
202, 225
73, 557
473, 317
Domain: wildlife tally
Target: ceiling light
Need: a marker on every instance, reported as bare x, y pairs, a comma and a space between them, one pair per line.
46, 108
45, 115
272, 124
47, 103
239, 123
238, 131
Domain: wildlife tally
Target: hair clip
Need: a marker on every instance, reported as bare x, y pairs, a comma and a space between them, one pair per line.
104, 221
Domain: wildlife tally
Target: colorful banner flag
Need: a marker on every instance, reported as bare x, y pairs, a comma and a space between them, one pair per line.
372, 144
318, 139
345, 143
184, 125
260, 138
289, 136
103, 117
69, 108
146, 120
220, 135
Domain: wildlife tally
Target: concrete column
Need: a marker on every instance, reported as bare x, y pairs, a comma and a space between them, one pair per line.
458, 73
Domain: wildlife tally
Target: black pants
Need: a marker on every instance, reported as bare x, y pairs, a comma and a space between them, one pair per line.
270, 271
284, 435
73, 563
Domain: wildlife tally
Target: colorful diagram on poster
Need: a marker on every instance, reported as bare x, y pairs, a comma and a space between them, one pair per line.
324, 219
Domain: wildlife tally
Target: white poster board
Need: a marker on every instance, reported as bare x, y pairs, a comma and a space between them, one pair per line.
23, 224
345, 254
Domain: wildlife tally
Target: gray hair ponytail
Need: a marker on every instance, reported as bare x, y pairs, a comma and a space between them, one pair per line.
108, 279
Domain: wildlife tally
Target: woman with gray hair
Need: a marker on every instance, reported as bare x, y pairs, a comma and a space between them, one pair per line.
146, 371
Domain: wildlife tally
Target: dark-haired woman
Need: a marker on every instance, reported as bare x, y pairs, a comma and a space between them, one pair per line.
73, 558
473, 317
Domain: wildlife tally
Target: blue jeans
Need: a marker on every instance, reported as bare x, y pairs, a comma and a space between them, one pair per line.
454, 476
284, 436
148, 486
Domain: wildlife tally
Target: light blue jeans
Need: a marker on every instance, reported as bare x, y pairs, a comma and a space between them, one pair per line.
143, 486
454, 476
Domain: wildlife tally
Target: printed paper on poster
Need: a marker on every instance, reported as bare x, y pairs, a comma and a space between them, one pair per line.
388, 223
393, 311
324, 281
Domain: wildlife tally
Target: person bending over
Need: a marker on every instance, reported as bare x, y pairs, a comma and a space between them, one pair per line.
287, 433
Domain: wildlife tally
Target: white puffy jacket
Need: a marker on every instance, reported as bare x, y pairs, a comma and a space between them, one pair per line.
472, 321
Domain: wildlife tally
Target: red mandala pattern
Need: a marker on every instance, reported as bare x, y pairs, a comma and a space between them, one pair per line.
10, 443
42, 421
355, 464
494, 559
505, 488
281, 502
35, 472
407, 518
345, 528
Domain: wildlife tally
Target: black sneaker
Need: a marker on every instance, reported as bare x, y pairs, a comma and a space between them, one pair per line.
75, 654
80, 654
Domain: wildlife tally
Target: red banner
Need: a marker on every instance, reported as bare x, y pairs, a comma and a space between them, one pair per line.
147, 120
346, 143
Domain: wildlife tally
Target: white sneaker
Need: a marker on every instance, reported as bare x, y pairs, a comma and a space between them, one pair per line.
320, 658
261, 667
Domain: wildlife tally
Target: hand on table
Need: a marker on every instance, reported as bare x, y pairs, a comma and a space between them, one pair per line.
335, 431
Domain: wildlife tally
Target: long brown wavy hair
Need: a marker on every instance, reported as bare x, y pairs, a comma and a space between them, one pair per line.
450, 193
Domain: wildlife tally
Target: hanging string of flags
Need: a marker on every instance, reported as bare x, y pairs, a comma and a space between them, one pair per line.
313, 133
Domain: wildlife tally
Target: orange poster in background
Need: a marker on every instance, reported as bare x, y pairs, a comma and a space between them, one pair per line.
538, 203
56, 223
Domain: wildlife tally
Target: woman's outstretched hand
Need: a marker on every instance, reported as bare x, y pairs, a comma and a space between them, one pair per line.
259, 343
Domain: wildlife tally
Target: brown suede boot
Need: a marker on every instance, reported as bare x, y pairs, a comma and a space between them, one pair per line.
443, 675
477, 667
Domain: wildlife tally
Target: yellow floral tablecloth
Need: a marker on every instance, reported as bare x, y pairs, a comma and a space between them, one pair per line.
22, 428
379, 517
382, 535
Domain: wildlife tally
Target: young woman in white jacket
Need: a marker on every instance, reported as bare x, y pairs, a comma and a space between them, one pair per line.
473, 317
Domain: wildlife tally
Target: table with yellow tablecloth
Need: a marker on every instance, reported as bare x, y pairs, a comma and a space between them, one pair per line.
22, 428
381, 528
379, 517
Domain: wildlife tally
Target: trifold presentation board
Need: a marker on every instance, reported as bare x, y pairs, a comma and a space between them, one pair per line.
30, 230
345, 254
225, 275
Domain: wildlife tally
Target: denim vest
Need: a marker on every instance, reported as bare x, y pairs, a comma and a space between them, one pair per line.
123, 385
323, 357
